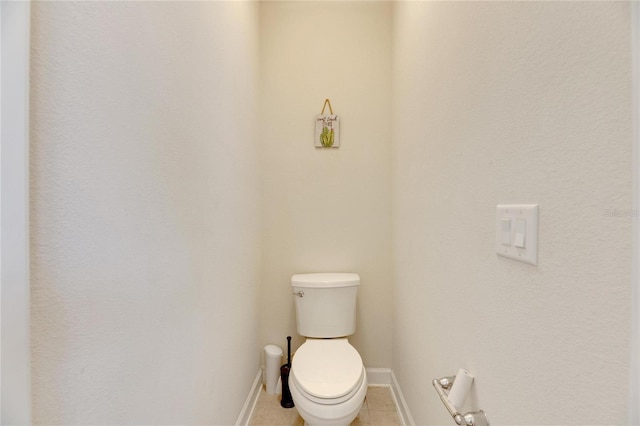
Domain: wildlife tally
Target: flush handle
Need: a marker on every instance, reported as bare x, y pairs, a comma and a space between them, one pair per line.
299, 293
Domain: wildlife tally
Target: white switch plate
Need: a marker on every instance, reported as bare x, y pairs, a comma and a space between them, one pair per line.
527, 212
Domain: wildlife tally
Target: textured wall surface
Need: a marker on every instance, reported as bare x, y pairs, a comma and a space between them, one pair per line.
157, 207
145, 225
326, 210
513, 102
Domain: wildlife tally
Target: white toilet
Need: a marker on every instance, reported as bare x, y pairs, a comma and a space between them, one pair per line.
328, 381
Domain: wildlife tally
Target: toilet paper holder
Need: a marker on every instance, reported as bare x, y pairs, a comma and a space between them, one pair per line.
472, 418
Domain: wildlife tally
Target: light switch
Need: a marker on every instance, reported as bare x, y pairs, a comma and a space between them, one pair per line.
517, 232
506, 232
521, 231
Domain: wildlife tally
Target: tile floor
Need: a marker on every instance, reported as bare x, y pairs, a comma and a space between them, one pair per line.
378, 410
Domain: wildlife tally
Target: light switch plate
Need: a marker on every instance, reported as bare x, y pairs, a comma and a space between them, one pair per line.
516, 213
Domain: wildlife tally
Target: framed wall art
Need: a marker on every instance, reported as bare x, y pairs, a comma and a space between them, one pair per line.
327, 134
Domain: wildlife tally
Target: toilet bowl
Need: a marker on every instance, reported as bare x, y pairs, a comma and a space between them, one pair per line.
328, 382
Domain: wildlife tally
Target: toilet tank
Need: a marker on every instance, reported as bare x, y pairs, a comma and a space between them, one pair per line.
325, 304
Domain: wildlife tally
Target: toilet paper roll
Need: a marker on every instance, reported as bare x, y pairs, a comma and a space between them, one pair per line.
460, 388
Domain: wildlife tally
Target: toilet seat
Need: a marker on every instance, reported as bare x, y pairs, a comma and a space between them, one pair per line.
327, 371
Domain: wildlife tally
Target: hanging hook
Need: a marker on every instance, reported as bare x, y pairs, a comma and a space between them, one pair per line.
326, 101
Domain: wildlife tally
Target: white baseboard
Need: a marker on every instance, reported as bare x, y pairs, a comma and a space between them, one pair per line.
385, 377
375, 377
401, 403
250, 403
379, 376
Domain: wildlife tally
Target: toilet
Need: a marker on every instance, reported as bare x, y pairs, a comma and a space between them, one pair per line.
327, 380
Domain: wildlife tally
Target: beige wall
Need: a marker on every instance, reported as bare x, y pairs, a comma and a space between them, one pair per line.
326, 210
145, 211
171, 189
513, 102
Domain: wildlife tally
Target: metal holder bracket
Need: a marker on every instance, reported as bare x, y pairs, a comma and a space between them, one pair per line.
474, 418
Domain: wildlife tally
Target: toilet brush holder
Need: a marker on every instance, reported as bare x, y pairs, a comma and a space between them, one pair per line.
287, 399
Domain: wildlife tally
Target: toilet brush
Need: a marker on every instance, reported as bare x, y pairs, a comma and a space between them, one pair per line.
287, 400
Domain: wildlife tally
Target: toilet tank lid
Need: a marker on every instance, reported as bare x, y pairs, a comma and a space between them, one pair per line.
326, 279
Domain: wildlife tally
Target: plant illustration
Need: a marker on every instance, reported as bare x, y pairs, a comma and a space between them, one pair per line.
327, 137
